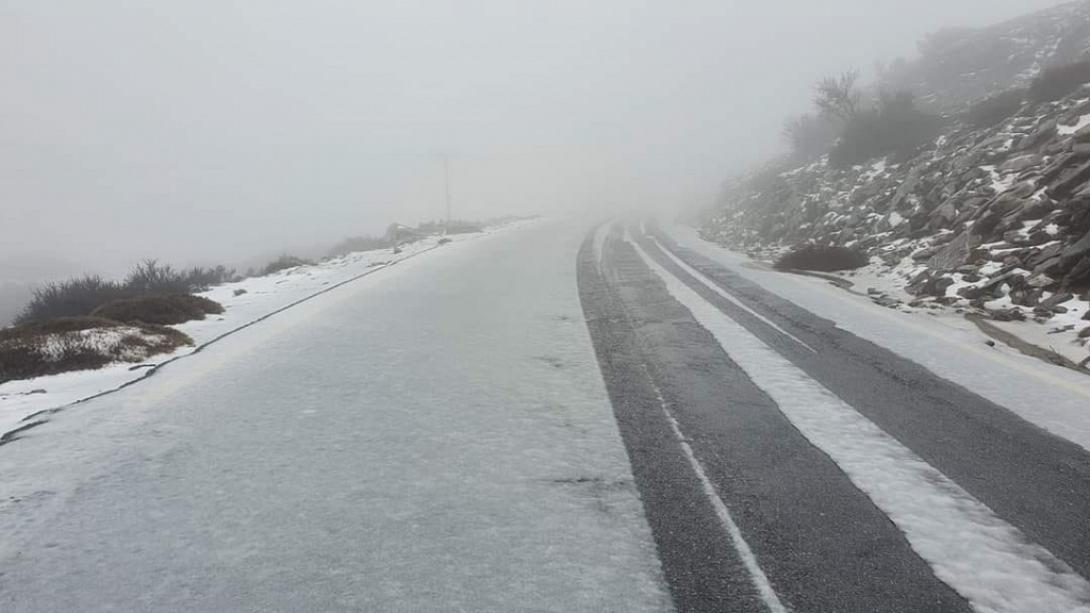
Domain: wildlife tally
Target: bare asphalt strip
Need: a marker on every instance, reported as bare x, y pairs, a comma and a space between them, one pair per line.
1030, 478
701, 565
821, 542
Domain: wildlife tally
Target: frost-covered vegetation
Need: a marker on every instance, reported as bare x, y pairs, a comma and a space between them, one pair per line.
77, 343
89, 322
81, 295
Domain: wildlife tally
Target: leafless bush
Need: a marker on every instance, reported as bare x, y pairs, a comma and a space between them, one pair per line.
284, 262
821, 258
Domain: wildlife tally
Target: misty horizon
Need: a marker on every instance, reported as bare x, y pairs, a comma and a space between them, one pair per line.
136, 132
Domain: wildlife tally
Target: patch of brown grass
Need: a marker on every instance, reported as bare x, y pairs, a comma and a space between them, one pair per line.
164, 310
79, 343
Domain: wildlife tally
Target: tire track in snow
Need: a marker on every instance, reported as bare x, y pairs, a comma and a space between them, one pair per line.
989, 562
821, 543
701, 564
1035, 480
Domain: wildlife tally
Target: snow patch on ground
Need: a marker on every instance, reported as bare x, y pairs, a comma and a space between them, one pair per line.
1080, 124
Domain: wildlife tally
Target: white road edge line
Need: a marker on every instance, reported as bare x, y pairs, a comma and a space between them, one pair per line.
600, 236
756, 575
1033, 367
699, 276
988, 561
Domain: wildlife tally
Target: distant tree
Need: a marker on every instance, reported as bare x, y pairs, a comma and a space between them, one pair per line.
838, 96
893, 126
810, 135
992, 110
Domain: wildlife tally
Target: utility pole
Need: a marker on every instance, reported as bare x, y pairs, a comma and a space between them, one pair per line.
446, 175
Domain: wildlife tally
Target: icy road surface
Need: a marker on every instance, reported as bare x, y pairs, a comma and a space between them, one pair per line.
786, 464
559, 419
435, 437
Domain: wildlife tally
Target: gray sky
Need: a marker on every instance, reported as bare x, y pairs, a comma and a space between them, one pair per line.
204, 131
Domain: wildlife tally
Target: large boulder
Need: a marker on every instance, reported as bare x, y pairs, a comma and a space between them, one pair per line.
1022, 162
1076, 250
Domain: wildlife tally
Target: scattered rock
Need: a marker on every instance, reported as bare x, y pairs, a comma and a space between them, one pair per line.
1013, 314
923, 254
1055, 300
1022, 162
1040, 280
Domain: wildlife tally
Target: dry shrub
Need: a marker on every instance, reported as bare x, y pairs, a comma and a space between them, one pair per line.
821, 258
162, 310
78, 343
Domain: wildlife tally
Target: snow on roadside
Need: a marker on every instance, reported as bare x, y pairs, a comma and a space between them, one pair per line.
955, 533
944, 342
885, 283
244, 302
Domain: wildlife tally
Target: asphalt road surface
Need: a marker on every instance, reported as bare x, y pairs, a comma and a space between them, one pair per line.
546, 420
811, 523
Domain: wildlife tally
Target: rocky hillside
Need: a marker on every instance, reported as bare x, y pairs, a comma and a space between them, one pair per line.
960, 65
991, 219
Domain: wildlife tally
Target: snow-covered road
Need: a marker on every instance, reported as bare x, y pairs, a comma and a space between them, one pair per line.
544, 419
830, 472
434, 438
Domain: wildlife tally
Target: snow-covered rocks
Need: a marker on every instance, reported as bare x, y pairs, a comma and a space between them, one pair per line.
987, 220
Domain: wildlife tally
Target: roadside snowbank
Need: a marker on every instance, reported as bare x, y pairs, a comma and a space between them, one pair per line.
955, 533
1057, 399
245, 302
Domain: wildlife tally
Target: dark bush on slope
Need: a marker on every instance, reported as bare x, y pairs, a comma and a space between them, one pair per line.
70, 298
894, 126
80, 296
359, 243
162, 310
150, 277
991, 111
69, 343
284, 262
1058, 81
810, 136
821, 258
